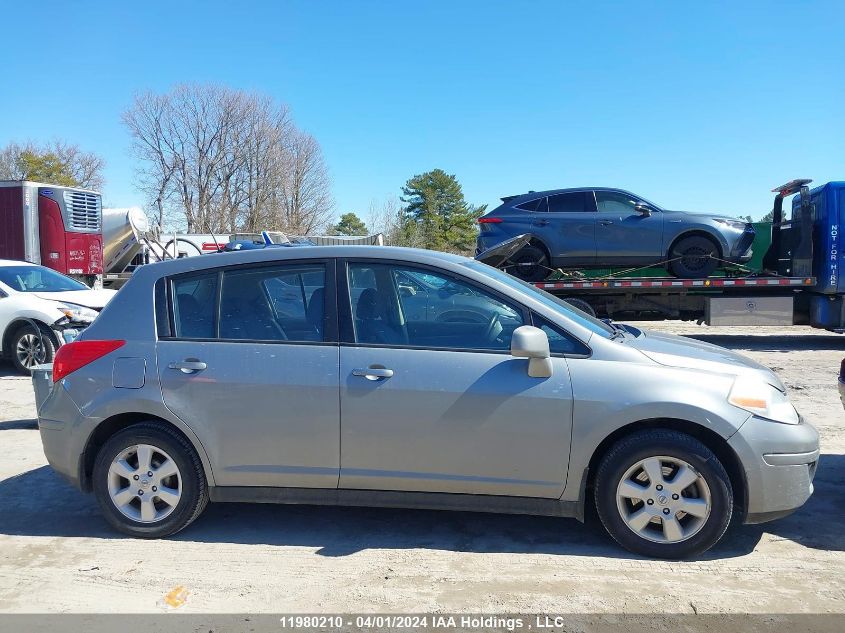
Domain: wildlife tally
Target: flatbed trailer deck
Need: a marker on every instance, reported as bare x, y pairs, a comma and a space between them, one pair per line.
634, 284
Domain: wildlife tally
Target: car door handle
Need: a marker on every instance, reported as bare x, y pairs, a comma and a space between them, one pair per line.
540, 222
605, 222
188, 366
373, 373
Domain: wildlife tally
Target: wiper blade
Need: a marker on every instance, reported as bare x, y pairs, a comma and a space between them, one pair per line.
618, 330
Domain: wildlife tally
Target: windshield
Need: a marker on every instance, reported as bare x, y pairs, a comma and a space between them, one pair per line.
568, 310
37, 279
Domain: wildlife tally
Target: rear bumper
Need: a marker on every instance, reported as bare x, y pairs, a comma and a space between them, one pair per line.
60, 424
780, 462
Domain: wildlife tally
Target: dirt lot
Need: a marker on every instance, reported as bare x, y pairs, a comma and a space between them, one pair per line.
58, 555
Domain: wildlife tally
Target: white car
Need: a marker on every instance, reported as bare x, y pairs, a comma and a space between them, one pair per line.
33, 296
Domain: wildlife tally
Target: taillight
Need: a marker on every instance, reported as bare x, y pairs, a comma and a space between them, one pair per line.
490, 220
73, 356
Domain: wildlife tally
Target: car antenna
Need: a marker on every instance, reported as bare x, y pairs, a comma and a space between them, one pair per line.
216, 245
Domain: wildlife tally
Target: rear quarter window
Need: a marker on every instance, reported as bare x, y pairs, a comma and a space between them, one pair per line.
160, 302
194, 300
538, 204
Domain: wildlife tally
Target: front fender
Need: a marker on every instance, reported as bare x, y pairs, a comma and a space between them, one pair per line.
681, 231
609, 396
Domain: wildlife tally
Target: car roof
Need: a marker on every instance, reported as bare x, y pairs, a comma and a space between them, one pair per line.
531, 195
234, 258
15, 262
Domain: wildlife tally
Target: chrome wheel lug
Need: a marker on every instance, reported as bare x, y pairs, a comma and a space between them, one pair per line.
135, 477
666, 511
140, 493
150, 474
155, 489
675, 497
650, 502
659, 487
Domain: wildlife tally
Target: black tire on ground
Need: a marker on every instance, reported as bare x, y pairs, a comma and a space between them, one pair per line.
25, 348
581, 305
530, 264
695, 257
672, 444
194, 488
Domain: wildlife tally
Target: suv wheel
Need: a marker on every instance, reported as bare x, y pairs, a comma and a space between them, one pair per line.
694, 257
663, 494
530, 264
149, 481
29, 347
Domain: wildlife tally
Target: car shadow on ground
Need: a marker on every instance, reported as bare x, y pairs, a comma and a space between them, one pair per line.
10, 425
7, 370
40, 503
774, 342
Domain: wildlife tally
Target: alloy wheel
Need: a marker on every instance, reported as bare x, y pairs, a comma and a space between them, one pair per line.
29, 351
144, 483
663, 499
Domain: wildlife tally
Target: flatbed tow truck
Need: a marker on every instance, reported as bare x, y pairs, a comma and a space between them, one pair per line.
799, 283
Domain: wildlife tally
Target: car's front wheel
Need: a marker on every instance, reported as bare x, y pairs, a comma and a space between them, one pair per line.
30, 347
694, 257
664, 494
149, 481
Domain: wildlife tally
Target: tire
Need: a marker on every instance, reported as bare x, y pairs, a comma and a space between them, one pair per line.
581, 305
682, 534
165, 517
25, 348
695, 257
530, 264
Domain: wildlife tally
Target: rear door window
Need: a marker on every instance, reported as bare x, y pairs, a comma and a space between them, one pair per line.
574, 202
274, 303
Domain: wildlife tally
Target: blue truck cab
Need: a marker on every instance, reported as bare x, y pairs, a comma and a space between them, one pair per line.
809, 245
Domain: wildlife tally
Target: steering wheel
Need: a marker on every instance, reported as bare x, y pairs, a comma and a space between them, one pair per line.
493, 329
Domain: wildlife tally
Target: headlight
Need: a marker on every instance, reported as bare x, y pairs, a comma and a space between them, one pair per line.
77, 313
763, 400
739, 225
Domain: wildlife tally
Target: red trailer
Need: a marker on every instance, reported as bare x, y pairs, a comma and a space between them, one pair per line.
58, 227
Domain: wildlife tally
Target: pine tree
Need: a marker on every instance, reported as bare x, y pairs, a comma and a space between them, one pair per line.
437, 216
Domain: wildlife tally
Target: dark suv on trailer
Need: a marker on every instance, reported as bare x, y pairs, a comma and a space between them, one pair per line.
598, 227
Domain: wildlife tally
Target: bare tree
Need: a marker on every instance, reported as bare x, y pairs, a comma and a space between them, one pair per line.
389, 219
215, 159
305, 203
58, 162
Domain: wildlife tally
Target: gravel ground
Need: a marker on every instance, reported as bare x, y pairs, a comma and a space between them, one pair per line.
57, 554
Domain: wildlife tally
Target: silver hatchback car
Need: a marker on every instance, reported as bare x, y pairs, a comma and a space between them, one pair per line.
381, 376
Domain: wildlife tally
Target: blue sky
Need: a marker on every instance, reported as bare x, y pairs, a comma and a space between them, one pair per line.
699, 106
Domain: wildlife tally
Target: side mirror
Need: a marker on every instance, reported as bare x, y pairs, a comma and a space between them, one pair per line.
532, 343
642, 209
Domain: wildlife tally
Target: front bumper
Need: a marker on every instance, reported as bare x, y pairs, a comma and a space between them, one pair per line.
780, 462
741, 251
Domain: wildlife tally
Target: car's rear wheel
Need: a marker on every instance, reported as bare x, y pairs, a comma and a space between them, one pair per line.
149, 481
664, 494
530, 264
30, 347
694, 257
